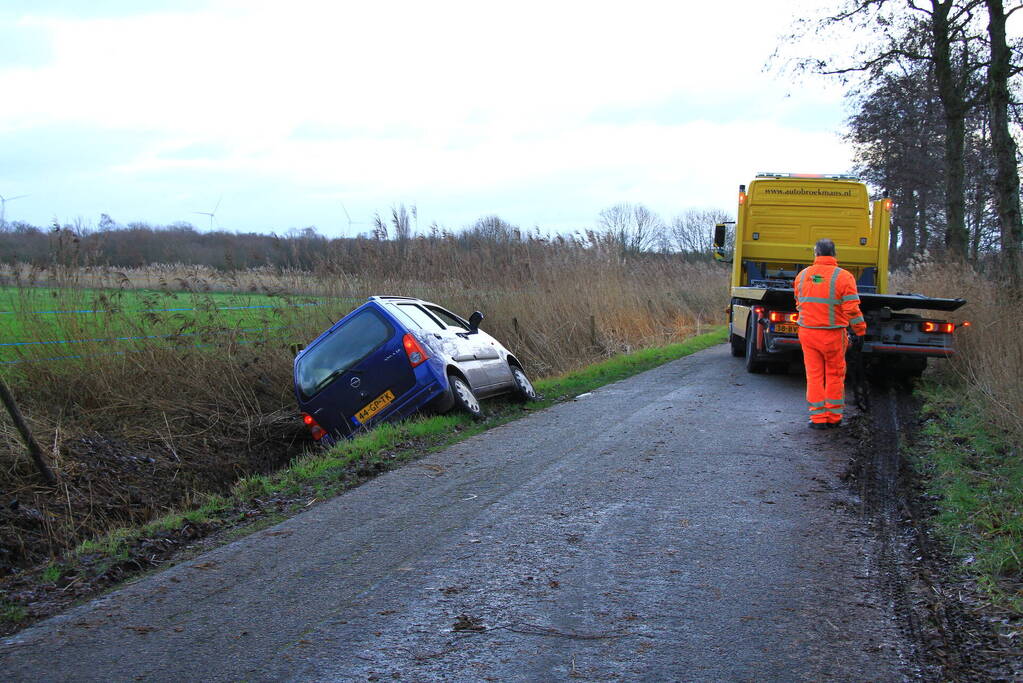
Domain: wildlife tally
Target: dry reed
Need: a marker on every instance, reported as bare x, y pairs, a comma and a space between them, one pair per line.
990, 359
136, 434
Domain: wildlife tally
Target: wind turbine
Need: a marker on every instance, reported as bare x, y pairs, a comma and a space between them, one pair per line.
212, 214
350, 223
3, 208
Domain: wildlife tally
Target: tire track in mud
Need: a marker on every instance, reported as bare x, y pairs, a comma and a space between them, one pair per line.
943, 638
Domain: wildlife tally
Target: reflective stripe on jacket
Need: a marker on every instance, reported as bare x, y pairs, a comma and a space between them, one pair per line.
826, 297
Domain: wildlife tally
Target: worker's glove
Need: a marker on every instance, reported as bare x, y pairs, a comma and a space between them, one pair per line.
857, 342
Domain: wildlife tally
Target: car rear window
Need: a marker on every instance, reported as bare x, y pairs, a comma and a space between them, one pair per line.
343, 348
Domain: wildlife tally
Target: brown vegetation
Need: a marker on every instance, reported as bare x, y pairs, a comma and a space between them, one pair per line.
990, 359
134, 435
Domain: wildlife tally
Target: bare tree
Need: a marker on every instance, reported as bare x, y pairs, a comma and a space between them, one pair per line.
1000, 70
631, 228
692, 231
943, 33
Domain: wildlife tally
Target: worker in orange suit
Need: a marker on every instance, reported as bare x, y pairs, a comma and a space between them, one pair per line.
828, 304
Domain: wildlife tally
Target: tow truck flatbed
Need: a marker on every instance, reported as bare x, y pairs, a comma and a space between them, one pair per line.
784, 298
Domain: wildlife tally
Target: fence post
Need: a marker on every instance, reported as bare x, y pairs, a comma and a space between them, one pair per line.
19, 422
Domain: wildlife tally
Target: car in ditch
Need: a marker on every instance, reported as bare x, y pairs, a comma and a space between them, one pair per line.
393, 356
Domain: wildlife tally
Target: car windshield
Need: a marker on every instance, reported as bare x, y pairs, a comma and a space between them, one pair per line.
342, 349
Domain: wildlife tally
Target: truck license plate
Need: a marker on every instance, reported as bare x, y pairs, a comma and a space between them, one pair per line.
786, 328
374, 406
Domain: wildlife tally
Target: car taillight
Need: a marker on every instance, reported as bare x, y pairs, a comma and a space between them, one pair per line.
317, 431
415, 353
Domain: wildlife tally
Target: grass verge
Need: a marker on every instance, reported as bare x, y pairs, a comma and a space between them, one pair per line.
973, 471
258, 501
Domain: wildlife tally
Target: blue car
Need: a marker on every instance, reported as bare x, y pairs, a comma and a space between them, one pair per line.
393, 356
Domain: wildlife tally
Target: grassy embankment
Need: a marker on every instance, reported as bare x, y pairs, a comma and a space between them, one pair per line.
258, 501
169, 426
970, 452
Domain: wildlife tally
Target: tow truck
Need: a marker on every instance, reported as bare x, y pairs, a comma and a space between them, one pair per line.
779, 220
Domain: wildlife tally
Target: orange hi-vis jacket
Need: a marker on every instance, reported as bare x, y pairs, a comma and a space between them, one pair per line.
826, 297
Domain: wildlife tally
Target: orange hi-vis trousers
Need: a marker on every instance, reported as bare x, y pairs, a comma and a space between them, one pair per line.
824, 359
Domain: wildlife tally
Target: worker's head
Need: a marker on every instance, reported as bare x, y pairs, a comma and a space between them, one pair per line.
824, 247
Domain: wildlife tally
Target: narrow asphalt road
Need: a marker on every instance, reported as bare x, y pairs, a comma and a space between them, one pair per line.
679, 525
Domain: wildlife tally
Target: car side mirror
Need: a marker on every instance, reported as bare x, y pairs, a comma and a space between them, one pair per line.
474, 322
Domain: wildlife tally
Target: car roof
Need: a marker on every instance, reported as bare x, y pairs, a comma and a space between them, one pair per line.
386, 299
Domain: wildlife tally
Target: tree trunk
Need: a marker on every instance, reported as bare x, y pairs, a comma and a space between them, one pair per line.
953, 102
923, 231
909, 217
896, 228
1002, 143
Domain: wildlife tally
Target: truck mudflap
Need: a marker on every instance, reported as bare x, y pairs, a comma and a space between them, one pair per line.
782, 298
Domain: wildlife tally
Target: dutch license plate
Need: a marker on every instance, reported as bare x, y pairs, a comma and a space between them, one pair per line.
374, 406
786, 328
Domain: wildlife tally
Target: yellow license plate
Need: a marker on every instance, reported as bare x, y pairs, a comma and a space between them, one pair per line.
374, 406
786, 328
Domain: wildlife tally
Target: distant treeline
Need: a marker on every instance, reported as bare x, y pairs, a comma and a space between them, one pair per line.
621, 230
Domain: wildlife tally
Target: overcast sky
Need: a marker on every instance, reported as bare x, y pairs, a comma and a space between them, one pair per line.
540, 112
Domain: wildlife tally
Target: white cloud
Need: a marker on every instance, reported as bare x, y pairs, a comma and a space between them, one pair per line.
378, 102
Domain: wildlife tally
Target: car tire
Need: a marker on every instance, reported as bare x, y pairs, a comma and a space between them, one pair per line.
464, 398
752, 364
523, 390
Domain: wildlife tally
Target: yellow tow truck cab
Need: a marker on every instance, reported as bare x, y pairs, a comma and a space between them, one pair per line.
779, 220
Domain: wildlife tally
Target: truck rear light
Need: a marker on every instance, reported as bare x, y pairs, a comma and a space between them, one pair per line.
887, 204
937, 328
317, 431
775, 317
742, 198
792, 317
759, 310
965, 323
416, 355
778, 316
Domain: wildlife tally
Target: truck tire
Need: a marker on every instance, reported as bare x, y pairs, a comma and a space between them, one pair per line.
738, 344
752, 364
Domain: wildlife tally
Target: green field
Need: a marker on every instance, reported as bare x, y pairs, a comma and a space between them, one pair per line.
44, 322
